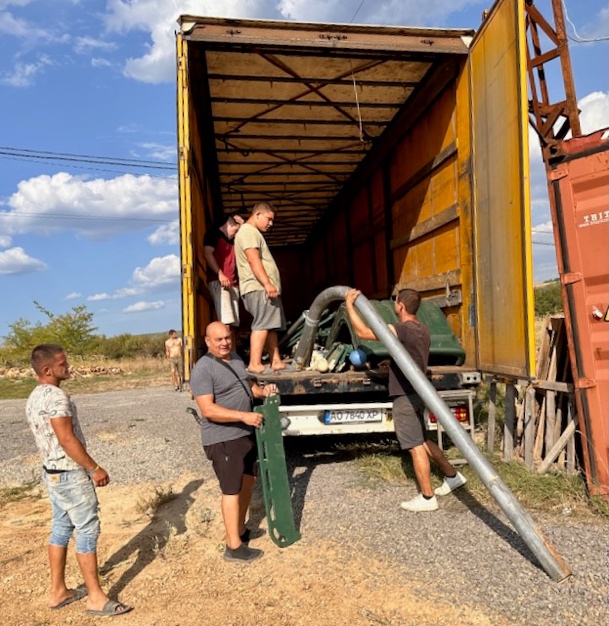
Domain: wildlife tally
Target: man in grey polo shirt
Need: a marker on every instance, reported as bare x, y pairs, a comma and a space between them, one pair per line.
224, 393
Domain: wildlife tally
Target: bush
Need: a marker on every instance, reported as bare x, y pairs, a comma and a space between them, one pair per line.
130, 346
548, 299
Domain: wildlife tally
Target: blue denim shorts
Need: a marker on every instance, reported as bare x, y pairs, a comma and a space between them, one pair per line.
75, 509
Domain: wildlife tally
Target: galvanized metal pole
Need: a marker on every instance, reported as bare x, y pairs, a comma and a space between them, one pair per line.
549, 559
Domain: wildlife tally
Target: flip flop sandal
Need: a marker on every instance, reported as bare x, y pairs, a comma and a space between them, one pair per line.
79, 594
111, 608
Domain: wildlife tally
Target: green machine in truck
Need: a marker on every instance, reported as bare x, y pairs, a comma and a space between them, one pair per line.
395, 157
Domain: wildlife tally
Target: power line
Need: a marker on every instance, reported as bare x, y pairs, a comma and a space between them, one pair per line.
67, 216
577, 38
42, 155
361, 4
90, 169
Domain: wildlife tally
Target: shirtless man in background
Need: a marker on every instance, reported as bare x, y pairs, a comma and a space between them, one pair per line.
173, 353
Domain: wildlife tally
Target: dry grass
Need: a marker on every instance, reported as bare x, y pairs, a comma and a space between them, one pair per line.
97, 375
30, 490
152, 503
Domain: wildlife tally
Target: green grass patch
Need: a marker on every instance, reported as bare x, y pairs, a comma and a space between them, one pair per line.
16, 389
557, 493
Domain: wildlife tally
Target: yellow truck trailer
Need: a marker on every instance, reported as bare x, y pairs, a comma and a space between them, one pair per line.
394, 156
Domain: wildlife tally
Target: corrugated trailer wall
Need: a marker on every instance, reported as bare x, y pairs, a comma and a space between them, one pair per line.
407, 220
427, 218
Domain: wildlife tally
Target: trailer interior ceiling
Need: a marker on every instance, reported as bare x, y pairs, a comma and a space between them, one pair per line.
295, 108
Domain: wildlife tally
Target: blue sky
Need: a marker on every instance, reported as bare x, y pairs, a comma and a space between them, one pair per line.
96, 78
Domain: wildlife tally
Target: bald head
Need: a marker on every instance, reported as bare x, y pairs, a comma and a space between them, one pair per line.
218, 340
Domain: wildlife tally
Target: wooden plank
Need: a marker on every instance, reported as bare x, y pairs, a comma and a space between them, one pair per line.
552, 385
557, 448
544, 351
551, 397
529, 425
560, 460
571, 460
426, 171
431, 283
519, 427
539, 437
492, 414
424, 228
550, 419
508, 425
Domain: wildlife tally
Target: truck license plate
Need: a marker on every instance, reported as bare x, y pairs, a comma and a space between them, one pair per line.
349, 416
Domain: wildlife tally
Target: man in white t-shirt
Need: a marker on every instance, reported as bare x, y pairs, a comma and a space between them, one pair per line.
70, 475
260, 287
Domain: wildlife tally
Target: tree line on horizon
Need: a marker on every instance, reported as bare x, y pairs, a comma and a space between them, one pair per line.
75, 331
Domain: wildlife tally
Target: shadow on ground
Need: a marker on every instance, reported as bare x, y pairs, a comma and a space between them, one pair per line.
169, 519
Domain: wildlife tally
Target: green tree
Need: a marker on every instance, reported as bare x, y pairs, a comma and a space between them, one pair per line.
73, 330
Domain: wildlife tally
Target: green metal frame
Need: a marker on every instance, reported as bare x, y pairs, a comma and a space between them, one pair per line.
274, 476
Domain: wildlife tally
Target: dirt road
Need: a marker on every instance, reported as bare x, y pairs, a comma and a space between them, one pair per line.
361, 560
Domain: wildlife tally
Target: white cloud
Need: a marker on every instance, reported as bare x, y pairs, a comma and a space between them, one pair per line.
17, 261
124, 292
95, 208
161, 152
100, 62
5, 240
27, 31
594, 111
23, 74
73, 296
99, 297
84, 45
595, 29
544, 228
10, 25
159, 272
143, 306
127, 292
386, 12
158, 18
166, 234
18, 3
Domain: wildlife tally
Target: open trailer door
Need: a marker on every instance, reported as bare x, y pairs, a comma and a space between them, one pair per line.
504, 309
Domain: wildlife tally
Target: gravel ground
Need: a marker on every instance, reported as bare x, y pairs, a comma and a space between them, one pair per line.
465, 551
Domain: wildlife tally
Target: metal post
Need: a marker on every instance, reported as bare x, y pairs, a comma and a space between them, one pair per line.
551, 562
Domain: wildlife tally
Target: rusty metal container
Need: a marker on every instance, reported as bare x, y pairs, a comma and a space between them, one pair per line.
579, 200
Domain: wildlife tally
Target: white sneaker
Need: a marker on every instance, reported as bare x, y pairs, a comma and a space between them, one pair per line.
420, 504
450, 484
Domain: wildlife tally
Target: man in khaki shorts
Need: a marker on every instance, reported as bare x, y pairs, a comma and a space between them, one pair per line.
173, 354
260, 287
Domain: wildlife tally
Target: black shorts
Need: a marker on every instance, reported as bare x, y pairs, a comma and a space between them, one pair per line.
231, 460
408, 421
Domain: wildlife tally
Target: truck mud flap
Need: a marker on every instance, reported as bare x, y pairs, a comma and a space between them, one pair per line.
274, 476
